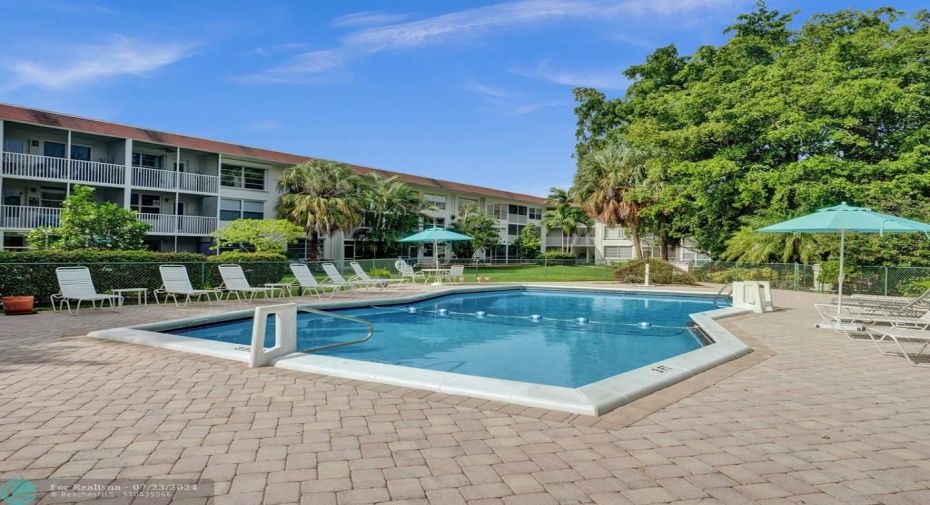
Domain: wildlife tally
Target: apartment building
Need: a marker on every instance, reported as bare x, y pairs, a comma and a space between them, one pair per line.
187, 187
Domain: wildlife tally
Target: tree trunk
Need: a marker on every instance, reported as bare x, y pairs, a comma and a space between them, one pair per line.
663, 237
637, 246
314, 245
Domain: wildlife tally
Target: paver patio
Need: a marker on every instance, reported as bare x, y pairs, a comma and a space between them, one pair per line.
811, 418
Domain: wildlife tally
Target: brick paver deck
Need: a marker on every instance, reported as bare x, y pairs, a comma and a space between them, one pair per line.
811, 418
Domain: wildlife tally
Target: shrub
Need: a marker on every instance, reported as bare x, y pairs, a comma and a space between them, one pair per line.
557, 255
914, 286
660, 272
379, 273
259, 268
33, 272
743, 274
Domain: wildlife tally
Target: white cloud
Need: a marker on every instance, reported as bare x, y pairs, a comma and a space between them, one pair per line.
82, 64
533, 107
600, 79
477, 87
368, 18
471, 23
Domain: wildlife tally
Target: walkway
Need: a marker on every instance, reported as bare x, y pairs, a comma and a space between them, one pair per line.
811, 418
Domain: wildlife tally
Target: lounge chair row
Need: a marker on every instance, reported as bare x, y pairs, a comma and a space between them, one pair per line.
76, 285
885, 320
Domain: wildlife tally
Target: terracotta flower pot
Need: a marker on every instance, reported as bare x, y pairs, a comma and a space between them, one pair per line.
18, 304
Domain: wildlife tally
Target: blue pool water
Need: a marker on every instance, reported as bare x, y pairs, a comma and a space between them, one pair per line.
445, 334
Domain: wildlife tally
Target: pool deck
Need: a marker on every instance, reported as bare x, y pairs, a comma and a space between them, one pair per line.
809, 417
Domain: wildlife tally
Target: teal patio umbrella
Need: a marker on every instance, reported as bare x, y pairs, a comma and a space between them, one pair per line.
846, 218
435, 235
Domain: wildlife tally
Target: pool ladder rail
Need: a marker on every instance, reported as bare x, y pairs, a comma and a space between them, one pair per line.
285, 335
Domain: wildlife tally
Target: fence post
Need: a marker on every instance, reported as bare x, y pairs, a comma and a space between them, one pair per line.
886, 280
797, 274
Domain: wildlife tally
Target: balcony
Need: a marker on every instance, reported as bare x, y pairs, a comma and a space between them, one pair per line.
152, 178
572, 242
31, 166
17, 217
170, 224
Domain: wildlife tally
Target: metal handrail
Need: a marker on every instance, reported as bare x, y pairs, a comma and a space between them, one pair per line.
371, 329
721, 294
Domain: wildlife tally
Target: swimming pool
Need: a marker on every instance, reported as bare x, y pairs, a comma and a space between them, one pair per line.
566, 367
565, 339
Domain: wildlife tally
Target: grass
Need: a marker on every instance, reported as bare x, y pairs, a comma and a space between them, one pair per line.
534, 273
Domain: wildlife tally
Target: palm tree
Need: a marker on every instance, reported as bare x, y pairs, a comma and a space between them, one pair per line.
564, 216
611, 184
392, 209
322, 197
748, 246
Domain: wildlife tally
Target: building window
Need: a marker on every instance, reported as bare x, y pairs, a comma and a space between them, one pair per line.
243, 177
146, 161
497, 210
515, 229
440, 222
466, 201
51, 197
618, 252
535, 213
438, 200
517, 210
57, 150
231, 209
145, 204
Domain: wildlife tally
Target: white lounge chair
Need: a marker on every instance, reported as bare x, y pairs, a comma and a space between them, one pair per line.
336, 279
362, 275
234, 281
175, 282
305, 279
76, 284
407, 272
851, 323
897, 335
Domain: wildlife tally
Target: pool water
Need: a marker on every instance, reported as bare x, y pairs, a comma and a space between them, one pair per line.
618, 333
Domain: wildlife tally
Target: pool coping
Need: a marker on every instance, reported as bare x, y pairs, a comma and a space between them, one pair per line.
593, 399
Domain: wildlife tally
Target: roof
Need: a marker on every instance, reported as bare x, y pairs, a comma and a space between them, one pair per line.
54, 119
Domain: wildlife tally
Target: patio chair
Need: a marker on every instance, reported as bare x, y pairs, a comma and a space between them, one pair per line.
305, 279
456, 272
850, 324
336, 279
362, 275
407, 272
76, 284
175, 282
234, 281
897, 334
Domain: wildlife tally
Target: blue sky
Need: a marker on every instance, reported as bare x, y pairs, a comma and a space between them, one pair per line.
472, 91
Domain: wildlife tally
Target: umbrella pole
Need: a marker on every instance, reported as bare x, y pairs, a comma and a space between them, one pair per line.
839, 300
436, 253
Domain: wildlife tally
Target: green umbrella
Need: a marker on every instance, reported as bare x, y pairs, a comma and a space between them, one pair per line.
435, 235
845, 218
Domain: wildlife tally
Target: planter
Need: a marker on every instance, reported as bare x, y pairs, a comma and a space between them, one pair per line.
16, 305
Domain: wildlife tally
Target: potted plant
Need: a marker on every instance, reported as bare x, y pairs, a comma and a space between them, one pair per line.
15, 305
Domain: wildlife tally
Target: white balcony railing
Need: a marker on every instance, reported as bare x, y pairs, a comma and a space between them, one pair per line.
170, 224
198, 183
32, 166
18, 217
571, 242
167, 179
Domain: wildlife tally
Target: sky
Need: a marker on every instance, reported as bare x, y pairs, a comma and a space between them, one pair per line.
477, 91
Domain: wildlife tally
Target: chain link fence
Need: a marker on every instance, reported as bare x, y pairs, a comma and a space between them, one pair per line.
39, 279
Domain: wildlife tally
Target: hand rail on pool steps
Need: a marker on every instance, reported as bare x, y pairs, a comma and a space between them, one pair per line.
371, 330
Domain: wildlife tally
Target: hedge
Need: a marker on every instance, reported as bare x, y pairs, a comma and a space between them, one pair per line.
33, 272
259, 268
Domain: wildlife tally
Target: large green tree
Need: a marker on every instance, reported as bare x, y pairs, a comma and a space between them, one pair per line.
86, 224
778, 122
565, 215
322, 197
481, 227
258, 235
611, 184
392, 210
